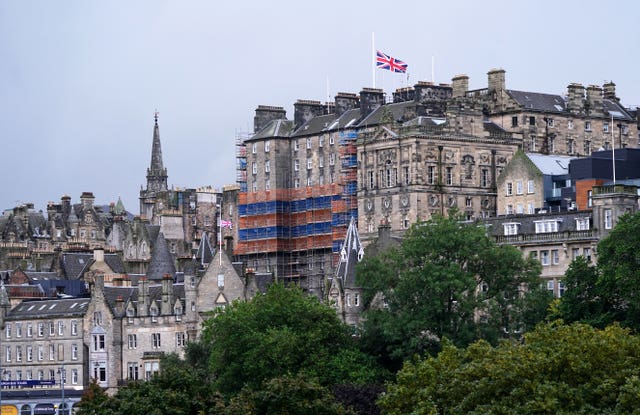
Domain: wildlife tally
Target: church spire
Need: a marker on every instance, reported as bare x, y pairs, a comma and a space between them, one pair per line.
156, 173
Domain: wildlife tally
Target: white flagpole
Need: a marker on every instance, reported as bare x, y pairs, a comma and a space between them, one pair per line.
613, 151
373, 56
220, 232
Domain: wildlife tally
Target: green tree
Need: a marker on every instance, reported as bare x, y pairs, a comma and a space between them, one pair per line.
557, 369
446, 279
291, 395
283, 332
94, 401
618, 287
581, 301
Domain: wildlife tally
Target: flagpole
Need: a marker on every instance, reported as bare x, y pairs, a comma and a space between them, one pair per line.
613, 151
373, 56
220, 232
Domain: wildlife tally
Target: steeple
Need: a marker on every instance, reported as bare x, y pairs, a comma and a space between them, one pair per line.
156, 173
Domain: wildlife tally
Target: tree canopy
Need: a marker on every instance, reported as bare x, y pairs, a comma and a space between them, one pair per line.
557, 369
447, 279
283, 332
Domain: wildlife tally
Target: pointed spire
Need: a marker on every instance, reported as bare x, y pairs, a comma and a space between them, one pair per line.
119, 208
156, 173
161, 260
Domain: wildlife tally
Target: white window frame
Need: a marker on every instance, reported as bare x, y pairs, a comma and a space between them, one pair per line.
267, 146
510, 228
267, 166
582, 224
608, 219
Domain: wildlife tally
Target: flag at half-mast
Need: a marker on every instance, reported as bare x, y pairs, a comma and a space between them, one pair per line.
384, 61
226, 224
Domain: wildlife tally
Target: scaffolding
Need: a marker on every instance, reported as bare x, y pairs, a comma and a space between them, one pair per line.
241, 160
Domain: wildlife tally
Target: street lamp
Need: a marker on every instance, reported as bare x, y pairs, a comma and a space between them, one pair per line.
62, 409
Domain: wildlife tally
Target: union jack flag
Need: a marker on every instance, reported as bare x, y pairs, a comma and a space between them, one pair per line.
384, 61
226, 224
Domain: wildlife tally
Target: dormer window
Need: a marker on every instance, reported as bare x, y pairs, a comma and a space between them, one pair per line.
582, 224
511, 228
547, 226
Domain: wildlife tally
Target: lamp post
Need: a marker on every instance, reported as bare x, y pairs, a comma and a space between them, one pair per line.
62, 409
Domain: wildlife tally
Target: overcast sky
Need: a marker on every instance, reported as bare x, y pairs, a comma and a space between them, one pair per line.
80, 80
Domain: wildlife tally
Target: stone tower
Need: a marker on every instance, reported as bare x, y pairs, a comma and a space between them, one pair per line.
156, 175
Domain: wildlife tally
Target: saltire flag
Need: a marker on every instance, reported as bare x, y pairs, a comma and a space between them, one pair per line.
384, 61
226, 224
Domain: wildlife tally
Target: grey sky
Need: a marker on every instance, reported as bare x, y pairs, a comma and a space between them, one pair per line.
80, 80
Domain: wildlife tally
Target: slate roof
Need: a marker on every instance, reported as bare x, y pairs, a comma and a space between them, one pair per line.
315, 125
613, 108
566, 221
537, 101
351, 253
551, 164
275, 128
49, 308
161, 260
75, 264
205, 251
130, 295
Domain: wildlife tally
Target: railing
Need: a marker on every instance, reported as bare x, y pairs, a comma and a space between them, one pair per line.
545, 237
615, 188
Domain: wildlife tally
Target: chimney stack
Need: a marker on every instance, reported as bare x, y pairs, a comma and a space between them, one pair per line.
575, 97
344, 102
594, 100
460, 85
87, 198
305, 110
370, 100
496, 80
265, 114
610, 91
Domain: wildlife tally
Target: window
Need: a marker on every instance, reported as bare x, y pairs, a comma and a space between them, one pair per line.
582, 224
74, 328
331, 140
332, 159
52, 352
555, 257
514, 121
321, 141
570, 146
484, 178
267, 145
519, 187
97, 318
7, 331
52, 329
296, 165
18, 353
468, 202
449, 176
308, 143
40, 374
100, 371
587, 125
356, 299
509, 189
254, 168
519, 208
267, 185
254, 148
509, 210
8, 354
405, 222
309, 164
296, 183
155, 340
431, 174
544, 257
296, 145
180, 339
132, 370
348, 300
587, 253
74, 376
561, 288
605, 127
532, 145
60, 328
150, 369
321, 161
98, 342
552, 144
371, 180
132, 341
267, 166
608, 219
220, 280
40, 353
530, 209
587, 147
154, 314
570, 124
29, 353
254, 186
407, 178
575, 253
550, 285
40, 329
510, 228
546, 226
18, 329
309, 181
532, 121
74, 352
550, 122
332, 177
